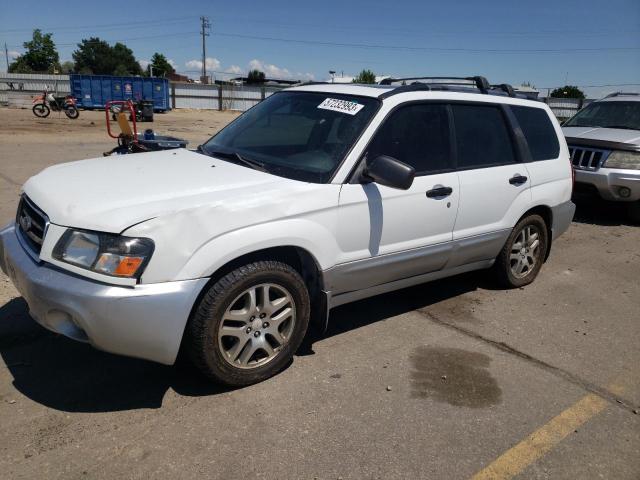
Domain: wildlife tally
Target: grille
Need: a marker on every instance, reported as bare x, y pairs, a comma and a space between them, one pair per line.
585, 158
32, 223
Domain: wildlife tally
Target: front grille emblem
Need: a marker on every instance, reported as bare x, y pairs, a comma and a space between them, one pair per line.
25, 222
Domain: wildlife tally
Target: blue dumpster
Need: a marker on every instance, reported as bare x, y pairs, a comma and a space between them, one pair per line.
94, 91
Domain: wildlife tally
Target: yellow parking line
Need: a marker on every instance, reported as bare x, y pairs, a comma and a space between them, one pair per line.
516, 459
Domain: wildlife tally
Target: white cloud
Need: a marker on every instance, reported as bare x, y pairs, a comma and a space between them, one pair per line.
212, 64
235, 69
13, 54
279, 73
172, 63
143, 64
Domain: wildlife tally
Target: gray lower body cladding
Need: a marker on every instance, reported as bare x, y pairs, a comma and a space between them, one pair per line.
363, 278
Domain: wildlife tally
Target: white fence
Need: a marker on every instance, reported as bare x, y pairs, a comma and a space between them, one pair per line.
218, 97
17, 89
566, 107
15, 85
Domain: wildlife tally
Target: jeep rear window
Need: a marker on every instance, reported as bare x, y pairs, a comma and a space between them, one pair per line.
538, 131
616, 114
298, 135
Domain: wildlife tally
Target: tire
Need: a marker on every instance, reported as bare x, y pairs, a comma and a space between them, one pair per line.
41, 110
242, 357
634, 211
72, 112
521, 257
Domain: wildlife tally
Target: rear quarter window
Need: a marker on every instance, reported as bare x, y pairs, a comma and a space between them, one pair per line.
538, 131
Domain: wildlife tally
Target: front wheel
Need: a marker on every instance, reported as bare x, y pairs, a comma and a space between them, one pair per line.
72, 112
524, 252
249, 323
41, 110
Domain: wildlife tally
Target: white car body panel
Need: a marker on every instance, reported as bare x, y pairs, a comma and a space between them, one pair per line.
377, 220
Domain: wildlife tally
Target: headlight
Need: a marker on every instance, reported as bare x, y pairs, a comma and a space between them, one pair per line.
104, 253
620, 159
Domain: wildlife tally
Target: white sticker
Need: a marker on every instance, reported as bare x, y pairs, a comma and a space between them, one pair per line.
342, 106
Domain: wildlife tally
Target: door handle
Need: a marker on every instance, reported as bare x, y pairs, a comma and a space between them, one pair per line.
517, 179
439, 192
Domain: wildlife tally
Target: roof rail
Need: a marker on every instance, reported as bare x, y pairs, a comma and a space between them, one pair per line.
505, 87
620, 94
481, 83
304, 84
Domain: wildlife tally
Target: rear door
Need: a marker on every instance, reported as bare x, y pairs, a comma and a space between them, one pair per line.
388, 234
494, 183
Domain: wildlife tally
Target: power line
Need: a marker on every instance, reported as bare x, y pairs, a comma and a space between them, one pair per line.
105, 25
146, 37
432, 49
378, 30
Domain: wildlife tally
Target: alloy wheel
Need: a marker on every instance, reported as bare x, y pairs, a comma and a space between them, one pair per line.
525, 251
257, 325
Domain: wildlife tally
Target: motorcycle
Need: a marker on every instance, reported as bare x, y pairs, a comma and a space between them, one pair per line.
43, 104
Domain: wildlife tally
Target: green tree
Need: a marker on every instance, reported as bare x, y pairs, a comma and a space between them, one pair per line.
255, 76
365, 76
67, 67
568, 91
160, 66
40, 56
123, 57
98, 57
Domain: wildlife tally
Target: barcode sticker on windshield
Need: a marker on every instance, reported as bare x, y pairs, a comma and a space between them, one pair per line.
342, 106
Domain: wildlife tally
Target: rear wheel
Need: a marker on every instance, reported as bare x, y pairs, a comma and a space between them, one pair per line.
72, 112
249, 323
41, 110
523, 254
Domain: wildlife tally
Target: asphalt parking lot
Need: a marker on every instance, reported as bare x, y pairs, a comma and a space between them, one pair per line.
447, 380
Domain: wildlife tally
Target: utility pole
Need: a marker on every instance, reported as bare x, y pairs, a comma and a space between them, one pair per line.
6, 55
204, 31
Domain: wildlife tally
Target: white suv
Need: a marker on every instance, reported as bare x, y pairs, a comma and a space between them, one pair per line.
604, 143
320, 195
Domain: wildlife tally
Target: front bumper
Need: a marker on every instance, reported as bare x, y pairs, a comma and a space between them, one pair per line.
145, 321
609, 180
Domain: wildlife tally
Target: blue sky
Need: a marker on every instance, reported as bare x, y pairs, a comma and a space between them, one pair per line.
583, 42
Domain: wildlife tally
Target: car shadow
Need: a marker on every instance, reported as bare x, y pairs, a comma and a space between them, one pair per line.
593, 210
69, 376
74, 377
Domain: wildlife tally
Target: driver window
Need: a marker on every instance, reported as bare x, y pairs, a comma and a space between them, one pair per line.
417, 135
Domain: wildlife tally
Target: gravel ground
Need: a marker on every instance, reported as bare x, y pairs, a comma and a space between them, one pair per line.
435, 381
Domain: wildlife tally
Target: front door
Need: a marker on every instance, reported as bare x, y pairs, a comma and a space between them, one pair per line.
386, 234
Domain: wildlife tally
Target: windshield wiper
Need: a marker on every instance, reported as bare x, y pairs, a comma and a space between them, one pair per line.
234, 156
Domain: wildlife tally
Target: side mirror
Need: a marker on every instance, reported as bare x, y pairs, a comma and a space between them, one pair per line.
390, 172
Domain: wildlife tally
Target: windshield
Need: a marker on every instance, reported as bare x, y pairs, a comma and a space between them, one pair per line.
298, 135
615, 114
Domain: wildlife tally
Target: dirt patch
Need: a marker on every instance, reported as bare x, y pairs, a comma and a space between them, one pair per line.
457, 377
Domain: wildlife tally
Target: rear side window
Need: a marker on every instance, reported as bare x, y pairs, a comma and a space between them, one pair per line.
539, 132
417, 135
482, 136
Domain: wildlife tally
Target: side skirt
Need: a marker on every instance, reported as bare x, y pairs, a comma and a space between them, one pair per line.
347, 297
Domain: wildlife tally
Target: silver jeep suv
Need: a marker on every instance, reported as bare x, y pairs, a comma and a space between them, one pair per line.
604, 144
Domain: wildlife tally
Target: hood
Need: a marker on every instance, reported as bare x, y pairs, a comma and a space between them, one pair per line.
615, 135
110, 194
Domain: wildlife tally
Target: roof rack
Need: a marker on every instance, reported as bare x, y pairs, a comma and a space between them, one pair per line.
621, 94
453, 83
481, 83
